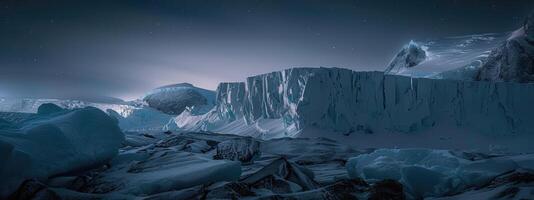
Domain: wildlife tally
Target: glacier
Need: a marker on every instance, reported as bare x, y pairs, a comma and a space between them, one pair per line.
283, 103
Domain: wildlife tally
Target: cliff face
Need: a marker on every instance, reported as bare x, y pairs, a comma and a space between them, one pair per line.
514, 59
347, 101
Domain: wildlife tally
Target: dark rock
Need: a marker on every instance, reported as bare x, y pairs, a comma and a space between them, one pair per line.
231, 190
281, 171
514, 59
345, 189
387, 190
507, 193
410, 56
244, 150
148, 135
33, 190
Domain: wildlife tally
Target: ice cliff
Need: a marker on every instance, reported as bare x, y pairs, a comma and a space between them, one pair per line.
282, 103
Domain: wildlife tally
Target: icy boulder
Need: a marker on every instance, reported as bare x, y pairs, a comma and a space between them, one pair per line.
410, 56
514, 59
52, 144
48, 108
174, 99
427, 173
242, 149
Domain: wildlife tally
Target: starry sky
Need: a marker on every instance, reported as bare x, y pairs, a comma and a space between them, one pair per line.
61, 48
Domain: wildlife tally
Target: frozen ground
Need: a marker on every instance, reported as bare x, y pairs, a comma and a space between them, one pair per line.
194, 165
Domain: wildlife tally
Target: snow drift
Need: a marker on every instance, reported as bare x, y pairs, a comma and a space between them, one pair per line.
54, 142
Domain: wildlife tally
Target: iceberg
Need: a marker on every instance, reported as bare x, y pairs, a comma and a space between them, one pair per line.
55, 142
428, 173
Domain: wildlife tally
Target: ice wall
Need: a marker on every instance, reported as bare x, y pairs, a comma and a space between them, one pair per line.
348, 101
230, 100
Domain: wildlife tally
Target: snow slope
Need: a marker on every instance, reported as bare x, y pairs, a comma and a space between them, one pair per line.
54, 142
174, 99
457, 58
281, 104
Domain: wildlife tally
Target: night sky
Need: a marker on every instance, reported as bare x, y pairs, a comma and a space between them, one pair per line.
125, 48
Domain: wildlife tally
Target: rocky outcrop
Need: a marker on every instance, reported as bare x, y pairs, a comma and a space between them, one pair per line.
174, 99
514, 59
409, 56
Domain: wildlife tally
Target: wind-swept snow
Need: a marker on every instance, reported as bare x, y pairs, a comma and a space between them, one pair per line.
457, 58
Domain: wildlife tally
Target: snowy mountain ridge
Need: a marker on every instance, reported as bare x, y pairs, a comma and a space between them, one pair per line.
458, 57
